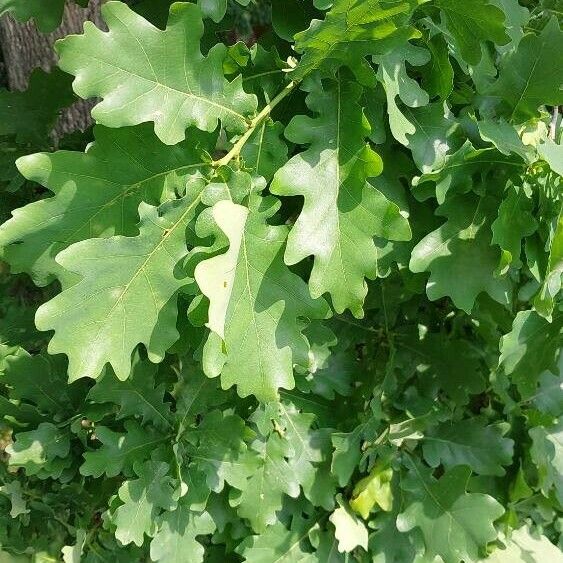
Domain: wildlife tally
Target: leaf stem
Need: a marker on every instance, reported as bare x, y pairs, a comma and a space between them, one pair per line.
237, 147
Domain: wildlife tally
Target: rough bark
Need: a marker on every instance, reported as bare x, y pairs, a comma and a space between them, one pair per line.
25, 48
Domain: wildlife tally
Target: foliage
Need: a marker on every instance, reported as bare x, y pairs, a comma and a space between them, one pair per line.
295, 300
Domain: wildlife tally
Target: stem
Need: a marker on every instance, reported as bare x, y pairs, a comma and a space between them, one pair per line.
237, 147
553, 124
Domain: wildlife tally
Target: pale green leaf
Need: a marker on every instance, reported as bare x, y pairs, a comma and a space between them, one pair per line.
350, 532
255, 302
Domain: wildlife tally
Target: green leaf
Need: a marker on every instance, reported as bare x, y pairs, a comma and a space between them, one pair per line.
263, 493
217, 449
472, 22
47, 14
175, 541
145, 74
347, 453
342, 211
349, 530
13, 490
119, 451
548, 397
96, 194
142, 498
327, 548
552, 153
42, 452
483, 448
531, 76
455, 524
392, 73
265, 152
547, 454
31, 115
73, 553
438, 75
387, 545
255, 302
462, 170
353, 30
530, 348
126, 295
458, 254
280, 544
216, 9
137, 396
49, 391
544, 301
310, 447
431, 140
505, 138
514, 223
516, 18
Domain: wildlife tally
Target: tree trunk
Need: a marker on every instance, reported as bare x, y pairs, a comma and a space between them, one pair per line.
25, 48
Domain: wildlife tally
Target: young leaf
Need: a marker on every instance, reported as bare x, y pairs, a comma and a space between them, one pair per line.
524, 545
349, 530
373, 491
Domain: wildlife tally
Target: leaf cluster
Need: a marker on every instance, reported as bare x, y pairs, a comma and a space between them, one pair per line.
295, 299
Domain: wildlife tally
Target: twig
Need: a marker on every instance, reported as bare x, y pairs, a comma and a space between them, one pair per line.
237, 147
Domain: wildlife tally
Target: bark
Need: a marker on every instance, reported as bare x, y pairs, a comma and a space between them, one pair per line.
25, 48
